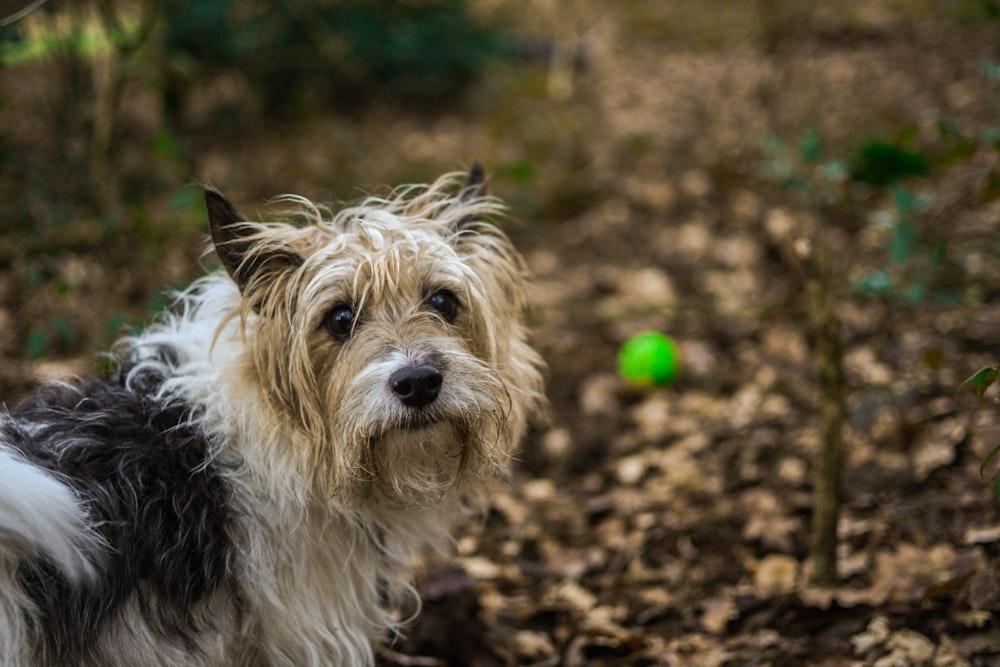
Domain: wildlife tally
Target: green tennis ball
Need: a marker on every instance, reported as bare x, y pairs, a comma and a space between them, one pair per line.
649, 359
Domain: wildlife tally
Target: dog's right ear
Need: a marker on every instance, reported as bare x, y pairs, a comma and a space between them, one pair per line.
475, 183
473, 189
231, 238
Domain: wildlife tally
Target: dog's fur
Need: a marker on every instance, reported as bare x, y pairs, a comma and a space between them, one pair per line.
251, 484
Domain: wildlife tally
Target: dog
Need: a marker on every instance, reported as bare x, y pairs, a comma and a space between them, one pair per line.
251, 483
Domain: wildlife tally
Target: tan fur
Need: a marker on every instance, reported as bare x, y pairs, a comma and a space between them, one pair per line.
384, 255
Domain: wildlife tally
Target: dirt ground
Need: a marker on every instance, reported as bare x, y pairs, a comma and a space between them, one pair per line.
666, 526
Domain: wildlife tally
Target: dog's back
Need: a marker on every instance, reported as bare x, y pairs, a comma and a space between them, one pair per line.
112, 505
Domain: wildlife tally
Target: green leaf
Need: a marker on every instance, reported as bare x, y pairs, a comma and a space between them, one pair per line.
114, 326
914, 294
991, 69
907, 203
170, 147
811, 144
774, 145
981, 380
876, 282
835, 171
904, 242
992, 136
947, 298
795, 184
158, 303
879, 162
37, 344
521, 172
63, 329
904, 201
989, 457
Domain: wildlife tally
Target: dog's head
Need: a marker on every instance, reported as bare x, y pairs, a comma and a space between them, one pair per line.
386, 338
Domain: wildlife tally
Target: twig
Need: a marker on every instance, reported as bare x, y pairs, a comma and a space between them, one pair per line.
398, 658
21, 13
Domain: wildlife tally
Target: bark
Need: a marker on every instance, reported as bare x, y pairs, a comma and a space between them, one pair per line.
827, 467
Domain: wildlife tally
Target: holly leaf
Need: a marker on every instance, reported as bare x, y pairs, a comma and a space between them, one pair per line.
981, 380
982, 466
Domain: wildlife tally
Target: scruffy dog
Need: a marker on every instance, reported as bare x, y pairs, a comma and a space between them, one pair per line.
250, 485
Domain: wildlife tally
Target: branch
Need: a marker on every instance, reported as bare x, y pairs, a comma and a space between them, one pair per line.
21, 13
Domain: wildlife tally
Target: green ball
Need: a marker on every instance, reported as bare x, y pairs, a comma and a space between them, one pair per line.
649, 359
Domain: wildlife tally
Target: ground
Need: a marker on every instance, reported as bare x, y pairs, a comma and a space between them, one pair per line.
662, 182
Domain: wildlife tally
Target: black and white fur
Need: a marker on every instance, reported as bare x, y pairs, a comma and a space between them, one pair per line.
187, 511
115, 507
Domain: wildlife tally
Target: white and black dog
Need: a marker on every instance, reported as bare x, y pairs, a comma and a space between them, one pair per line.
250, 485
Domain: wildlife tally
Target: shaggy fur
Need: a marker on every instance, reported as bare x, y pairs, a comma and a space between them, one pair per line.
251, 484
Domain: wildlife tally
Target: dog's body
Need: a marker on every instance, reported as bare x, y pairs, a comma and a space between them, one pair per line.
248, 488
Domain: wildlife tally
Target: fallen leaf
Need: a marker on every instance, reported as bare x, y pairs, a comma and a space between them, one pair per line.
776, 574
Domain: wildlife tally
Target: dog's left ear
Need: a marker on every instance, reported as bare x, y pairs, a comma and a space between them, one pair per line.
231, 238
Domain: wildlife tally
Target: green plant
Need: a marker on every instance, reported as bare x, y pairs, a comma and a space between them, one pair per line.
802, 172
979, 383
874, 181
974, 11
881, 162
915, 252
56, 329
344, 52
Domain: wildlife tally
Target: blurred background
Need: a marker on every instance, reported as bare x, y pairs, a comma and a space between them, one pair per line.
777, 184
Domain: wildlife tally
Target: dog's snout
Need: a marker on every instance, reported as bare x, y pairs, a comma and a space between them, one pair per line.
417, 386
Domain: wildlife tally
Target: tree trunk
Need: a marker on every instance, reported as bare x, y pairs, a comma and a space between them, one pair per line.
829, 459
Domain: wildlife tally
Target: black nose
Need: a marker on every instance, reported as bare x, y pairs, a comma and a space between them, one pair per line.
417, 386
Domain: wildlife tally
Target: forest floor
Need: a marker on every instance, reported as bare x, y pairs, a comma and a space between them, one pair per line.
667, 526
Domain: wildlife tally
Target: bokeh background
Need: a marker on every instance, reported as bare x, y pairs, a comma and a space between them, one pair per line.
783, 186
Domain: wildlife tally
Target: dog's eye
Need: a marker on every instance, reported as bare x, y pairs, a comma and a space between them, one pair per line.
445, 304
340, 321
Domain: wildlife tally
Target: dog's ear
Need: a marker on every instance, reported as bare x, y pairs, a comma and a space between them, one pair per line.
231, 238
475, 183
474, 188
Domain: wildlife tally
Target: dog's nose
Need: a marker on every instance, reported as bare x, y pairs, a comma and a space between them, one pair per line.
417, 386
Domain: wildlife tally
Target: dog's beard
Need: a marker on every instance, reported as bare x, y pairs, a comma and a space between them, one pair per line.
416, 464
417, 456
